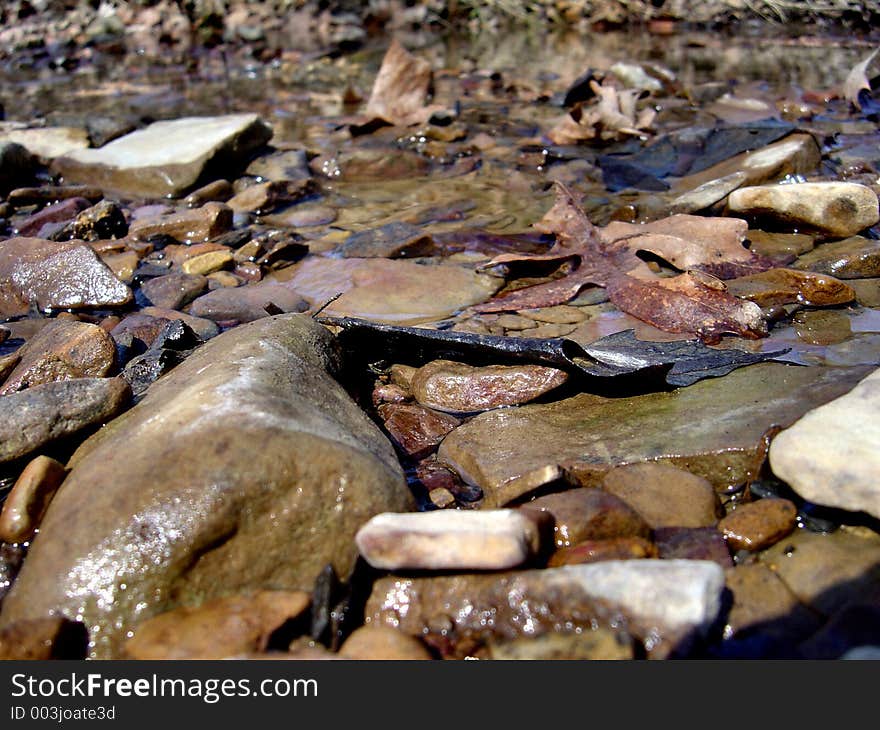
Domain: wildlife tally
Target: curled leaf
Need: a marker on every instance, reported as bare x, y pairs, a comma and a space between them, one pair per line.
857, 80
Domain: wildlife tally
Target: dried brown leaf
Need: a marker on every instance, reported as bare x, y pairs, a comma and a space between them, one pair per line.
611, 115
858, 80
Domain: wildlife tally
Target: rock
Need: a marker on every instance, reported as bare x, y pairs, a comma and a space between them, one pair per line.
44, 413
195, 225
207, 263
561, 314
757, 525
666, 599
708, 193
52, 218
277, 471
692, 543
822, 328
456, 387
441, 497
218, 191
122, 265
46, 143
779, 246
140, 326
102, 221
167, 158
789, 286
834, 209
393, 240
415, 429
828, 571
664, 495
852, 258
26, 504
867, 291
17, 166
380, 642
246, 303
62, 350
595, 551
588, 513
217, 628
48, 194
55, 276
264, 197
281, 165
174, 290
831, 456
53, 637
599, 644
204, 328
508, 453
383, 290
11, 557
448, 540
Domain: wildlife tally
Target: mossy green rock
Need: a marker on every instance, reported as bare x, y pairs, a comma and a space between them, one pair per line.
247, 468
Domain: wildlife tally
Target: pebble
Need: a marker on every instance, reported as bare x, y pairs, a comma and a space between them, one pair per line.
123, 265
834, 209
207, 263
138, 325
26, 504
757, 525
218, 191
415, 429
174, 290
449, 540
263, 197
246, 303
195, 225
100, 222
204, 328
51, 218
779, 246
380, 642
852, 258
692, 543
867, 291
44, 413
822, 328
594, 551
831, 456
460, 388
62, 350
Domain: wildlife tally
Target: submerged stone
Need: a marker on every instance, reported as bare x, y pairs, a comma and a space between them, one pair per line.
247, 303
852, 258
757, 525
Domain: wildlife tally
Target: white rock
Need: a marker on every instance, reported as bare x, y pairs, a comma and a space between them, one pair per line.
448, 539
47, 143
831, 456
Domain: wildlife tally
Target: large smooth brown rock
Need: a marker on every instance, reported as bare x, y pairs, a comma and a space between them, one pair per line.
55, 276
246, 468
714, 429
852, 258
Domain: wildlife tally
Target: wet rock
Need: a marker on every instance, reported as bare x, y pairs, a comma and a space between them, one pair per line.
48, 194
218, 191
45, 413
278, 470
205, 329
187, 226
52, 218
831, 456
588, 513
174, 290
835, 209
562, 314
692, 543
393, 240
779, 246
822, 328
382, 290
757, 525
441, 497
102, 221
304, 215
263, 197
595, 551
708, 193
54, 275
207, 263
62, 350
380, 642
17, 166
510, 452
53, 637
140, 326
449, 540
26, 504
460, 388
166, 158
217, 628
828, 571
867, 291
246, 303
599, 644
388, 393
668, 599
852, 258
46, 143
415, 429
664, 495
788, 286
281, 165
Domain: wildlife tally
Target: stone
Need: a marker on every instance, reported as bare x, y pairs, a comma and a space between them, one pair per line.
757, 525
246, 303
511, 452
272, 471
380, 642
26, 504
175, 290
384, 290
62, 350
140, 326
822, 327
195, 225
207, 263
828, 571
561, 314
448, 540
167, 158
17, 166
588, 513
204, 328
599, 644
123, 264
45, 413
595, 551
456, 387
664, 495
48, 194
55, 276
217, 628
789, 286
669, 600
264, 197
100, 222
831, 456
415, 429
393, 240
867, 291
779, 246
52, 218
218, 191
280, 165
833, 209
852, 258
708, 193
692, 543
45, 143
53, 637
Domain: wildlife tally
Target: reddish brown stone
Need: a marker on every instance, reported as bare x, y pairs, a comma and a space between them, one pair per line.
693, 543
758, 525
416, 429
593, 551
